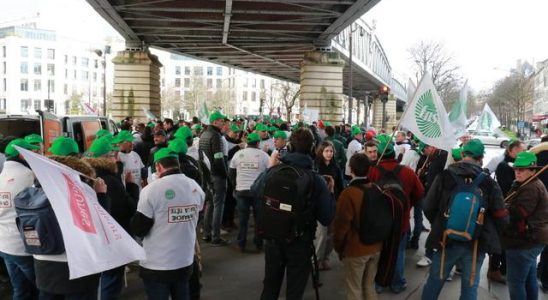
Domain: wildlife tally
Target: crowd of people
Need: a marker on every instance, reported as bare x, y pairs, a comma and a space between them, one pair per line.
312, 189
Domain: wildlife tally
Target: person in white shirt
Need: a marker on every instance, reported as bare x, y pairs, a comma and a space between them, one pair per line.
129, 158
15, 177
245, 167
166, 219
266, 144
354, 146
402, 145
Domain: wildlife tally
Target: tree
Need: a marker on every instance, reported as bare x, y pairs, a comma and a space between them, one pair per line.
289, 96
432, 57
75, 104
195, 96
170, 102
271, 102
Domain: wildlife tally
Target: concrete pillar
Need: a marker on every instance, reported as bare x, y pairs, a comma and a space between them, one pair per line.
322, 84
390, 113
136, 85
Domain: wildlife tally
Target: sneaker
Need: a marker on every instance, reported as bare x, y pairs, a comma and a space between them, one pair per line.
206, 239
424, 262
397, 290
219, 243
379, 289
450, 277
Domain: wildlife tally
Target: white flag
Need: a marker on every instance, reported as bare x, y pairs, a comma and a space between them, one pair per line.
94, 241
457, 116
488, 121
426, 117
203, 114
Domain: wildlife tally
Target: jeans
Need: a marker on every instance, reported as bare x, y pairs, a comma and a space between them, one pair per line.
521, 272
399, 282
229, 207
543, 268
324, 242
244, 203
178, 288
21, 272
111, 283
214, 213
90, 295
455, 253
296, 259
417, 219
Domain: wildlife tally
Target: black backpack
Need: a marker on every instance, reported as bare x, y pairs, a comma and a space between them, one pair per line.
189, 166
391, 184
286, 210
37, 222
377, 217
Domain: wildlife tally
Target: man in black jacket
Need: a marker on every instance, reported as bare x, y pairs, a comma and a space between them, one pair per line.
211, 144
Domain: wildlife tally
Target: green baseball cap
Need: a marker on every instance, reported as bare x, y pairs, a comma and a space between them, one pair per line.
178, 145
64, 146
216, 115
385, 142
253, 138
101, 133
235, 128
280, 134
34, 138
151, 124
163, 153
183, 132
356, 130
473, 148
272, 128
100, 147
327, 124
421, 147
525, 160
123, 136
12, 152
261, 127
456, 153
197, 127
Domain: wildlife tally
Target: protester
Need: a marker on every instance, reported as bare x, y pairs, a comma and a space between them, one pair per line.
354, 146
370, 149
402, 145
130, 159
64, 146
340, 154
160, 141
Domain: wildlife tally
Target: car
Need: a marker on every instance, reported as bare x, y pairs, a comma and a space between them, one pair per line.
491, 138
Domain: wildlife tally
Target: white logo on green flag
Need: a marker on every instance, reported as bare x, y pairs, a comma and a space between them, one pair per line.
427, 116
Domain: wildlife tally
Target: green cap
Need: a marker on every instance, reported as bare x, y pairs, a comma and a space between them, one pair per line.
253, 138
261, 127
525, 159
10, 150
163, 153
178, 145
456, 153
235, 128
100, 147
272, 128
34, 138
64, 146
183, 132
196, 127
216, 115
327, 124
123, 136
421, 147
473, 148
101, 133
280, 134
151, 124
356, 130
385, 142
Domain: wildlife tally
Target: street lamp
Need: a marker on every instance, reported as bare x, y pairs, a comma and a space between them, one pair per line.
103, 54
350, 46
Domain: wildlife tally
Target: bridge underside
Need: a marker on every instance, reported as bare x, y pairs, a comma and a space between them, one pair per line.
264, 36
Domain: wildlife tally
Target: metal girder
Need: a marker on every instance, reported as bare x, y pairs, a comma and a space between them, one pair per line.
240, 22
219, 28
330, 2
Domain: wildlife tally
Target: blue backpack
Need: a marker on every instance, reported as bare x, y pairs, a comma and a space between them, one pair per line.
37, 222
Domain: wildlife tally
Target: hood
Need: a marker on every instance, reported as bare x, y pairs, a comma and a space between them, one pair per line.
75, 163
465, 168
298, 159
101, 164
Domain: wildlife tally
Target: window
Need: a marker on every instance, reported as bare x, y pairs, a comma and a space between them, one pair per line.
85, 75
51, 86
253, 96
66, 59
218, 84
244, 96
65, 89
25, 104
209, 71
219, 71
187, 82
51, 69
66, 73
51, 54
85, 62
5, 84
254, 82
4, 68
38, 53
177, 82
4, 55
262, 83
38, 69
186, 95
3, 104
37, 85
246, 82
210, 83
187, 70
177, 70
95, 63
24, 85
74, 60
37, 104
24, 68
74, 74
198, 71
95, 76
24, 51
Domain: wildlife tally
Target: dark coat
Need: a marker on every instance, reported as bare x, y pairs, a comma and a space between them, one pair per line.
211, 144
334, 171
340, 153
505, 174
437, 200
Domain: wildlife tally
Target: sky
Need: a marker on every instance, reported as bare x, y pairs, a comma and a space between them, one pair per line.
485, 37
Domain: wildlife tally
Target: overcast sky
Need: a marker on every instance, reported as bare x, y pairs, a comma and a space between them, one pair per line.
486, 37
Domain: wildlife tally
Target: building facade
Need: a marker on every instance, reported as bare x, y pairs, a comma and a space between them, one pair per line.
540, 100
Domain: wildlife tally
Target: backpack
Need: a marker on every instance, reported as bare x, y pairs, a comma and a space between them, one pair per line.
376, 215
286, 210
37, 223
189, 167
391, 184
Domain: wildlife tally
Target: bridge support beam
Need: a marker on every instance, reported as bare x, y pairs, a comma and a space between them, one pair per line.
322, 84
390, 114
136, 85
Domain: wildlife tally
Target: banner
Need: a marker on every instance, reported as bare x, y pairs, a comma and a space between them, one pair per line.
94, 241
149, 114
487, 120
426, 117
203, 114
457, 116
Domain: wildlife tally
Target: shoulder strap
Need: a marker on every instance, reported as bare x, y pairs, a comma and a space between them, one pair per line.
458, 180
397, 169
479, 179
381, 169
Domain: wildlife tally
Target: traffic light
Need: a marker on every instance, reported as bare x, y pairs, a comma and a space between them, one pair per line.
384, 92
